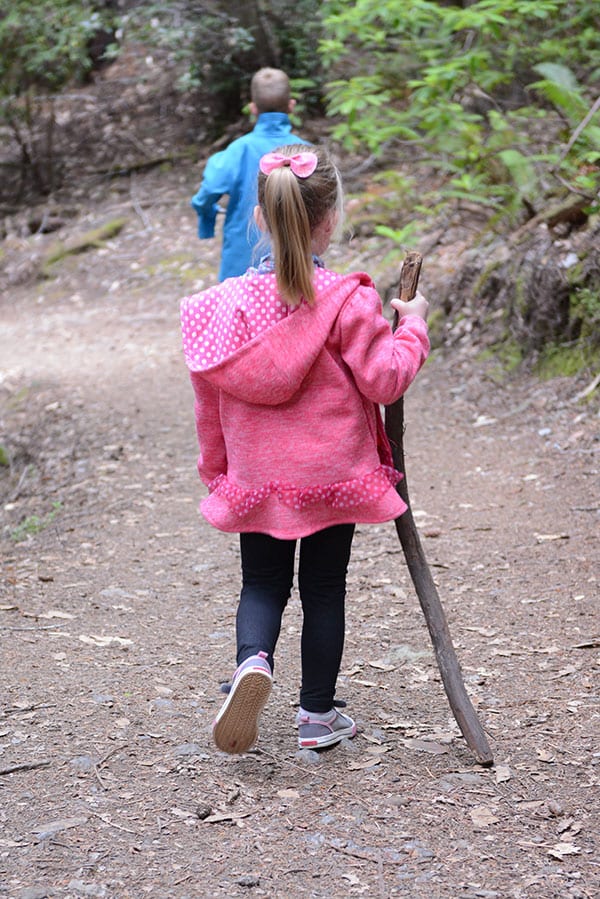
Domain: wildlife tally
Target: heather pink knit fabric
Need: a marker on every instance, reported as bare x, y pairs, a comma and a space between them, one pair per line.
287, 402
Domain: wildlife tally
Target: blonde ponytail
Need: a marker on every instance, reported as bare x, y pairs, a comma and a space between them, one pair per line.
292, 208
287, 220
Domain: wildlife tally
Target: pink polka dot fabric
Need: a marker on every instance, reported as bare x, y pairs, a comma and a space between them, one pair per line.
342, 496
217, 322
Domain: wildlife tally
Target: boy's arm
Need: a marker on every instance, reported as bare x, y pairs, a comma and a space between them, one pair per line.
216, 180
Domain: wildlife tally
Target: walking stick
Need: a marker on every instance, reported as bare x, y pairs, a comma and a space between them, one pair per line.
431, 605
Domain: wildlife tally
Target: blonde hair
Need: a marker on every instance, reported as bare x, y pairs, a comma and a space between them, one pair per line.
270, 90
292, 208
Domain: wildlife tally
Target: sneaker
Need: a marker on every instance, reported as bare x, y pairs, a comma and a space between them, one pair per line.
319, 731
235, 729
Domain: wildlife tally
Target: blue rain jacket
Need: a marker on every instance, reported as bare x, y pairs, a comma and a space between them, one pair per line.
233, 171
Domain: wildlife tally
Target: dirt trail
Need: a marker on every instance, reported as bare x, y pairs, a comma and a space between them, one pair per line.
116, 623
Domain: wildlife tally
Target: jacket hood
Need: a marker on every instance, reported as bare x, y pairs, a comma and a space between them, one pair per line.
266, 368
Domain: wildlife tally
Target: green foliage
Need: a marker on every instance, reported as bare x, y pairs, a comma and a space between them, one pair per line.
585, 309
588, 303
567, 360
507, 355
436, 322
92, 239
44, 45
33, 524
402, 236
457, 85
560, 88
495, 101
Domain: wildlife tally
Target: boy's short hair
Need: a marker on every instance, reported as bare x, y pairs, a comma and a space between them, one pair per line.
270, 90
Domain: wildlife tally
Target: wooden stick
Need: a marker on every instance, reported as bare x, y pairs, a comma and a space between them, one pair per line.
429, 599
25, 766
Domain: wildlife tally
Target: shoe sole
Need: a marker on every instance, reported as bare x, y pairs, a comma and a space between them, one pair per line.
235, 728
327, 740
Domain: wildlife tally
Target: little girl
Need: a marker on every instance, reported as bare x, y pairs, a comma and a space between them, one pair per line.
289, 364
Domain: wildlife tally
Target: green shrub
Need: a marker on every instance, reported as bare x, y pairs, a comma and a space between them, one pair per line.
33, 524
454, 86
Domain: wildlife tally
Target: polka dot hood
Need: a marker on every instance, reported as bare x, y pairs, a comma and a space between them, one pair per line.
246, 341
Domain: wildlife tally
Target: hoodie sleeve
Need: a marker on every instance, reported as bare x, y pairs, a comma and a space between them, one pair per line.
218, 178
383, 363
212, 460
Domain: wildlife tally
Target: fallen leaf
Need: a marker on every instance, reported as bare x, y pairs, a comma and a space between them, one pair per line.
502, 774
484, 631
366, 763
288, 794
481, 816
98, 640
182, 813
545, 756
52, 827
382, 666
563, 849
564, 672
440, 736
56, 613
356, 669
378, 750
368, 737
426, 746
219, 817
401, 724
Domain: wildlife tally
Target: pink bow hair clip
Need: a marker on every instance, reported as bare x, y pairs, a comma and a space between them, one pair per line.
301, 164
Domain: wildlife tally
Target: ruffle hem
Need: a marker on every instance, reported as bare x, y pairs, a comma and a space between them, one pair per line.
339, 495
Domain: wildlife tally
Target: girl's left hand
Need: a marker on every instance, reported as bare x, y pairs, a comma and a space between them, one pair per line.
417, 306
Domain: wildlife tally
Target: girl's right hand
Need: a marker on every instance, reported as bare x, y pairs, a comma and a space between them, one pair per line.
417, 306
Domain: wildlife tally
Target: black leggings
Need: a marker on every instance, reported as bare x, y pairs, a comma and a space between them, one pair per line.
267, 577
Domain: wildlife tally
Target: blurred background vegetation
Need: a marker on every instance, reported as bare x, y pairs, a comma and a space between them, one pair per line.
493, 103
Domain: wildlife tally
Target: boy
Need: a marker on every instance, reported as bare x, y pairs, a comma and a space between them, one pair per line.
234, 171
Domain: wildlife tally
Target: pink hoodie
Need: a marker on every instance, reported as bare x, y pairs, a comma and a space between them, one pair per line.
287, 402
